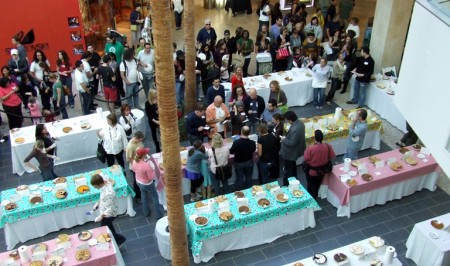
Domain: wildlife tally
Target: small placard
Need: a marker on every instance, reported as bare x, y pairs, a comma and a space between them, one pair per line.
102, 246
391, 160
39, 256
260, 195
363, 171
275, 191
223, 209
59, 252
83, 246
23, 193
377, 173
15, 198
61, 186
242, 202
408, 154
362, 166
65, 245
379, 164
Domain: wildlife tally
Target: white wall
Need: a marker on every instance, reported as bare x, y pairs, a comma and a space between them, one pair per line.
423, 92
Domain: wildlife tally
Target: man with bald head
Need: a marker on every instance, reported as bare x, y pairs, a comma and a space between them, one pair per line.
217, 115
254, 107
243, 150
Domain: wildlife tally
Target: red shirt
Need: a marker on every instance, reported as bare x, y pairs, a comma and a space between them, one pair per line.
318, 155
64, 67
235, 81
13, 99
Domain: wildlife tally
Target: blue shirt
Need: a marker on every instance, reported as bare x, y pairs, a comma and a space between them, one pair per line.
212, 93
193, 122
267, 115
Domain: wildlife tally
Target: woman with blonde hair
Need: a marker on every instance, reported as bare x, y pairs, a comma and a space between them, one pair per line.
145, 179
151, 110
278, 95
218, 156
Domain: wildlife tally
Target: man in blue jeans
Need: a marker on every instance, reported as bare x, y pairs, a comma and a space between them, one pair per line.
82, 85
243, 150
363, 72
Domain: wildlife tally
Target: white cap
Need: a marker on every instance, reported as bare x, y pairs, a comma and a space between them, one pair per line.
14, 51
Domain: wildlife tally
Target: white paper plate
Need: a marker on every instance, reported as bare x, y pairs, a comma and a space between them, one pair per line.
421, 156
352, 173
34, 187
92, 242
47, 189
5, 202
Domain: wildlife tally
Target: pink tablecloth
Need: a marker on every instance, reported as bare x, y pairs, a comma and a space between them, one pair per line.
98, 258
386, 177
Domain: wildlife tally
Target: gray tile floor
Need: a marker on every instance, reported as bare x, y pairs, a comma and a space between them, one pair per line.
392, 221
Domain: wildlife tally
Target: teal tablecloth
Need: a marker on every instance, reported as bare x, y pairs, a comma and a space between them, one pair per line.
50, 203
217, 227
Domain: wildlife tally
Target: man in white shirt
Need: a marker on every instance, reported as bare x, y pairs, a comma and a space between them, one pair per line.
89, 74
82, 85
146, 62
129, 73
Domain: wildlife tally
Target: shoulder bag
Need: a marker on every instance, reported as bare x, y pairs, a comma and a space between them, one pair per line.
101, 153
223, 173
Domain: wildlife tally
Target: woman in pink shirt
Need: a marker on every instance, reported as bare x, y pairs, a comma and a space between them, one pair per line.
145, 178
316, 156
12, 104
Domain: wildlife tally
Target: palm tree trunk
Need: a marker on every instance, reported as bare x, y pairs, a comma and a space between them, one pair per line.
165, 79
190, 57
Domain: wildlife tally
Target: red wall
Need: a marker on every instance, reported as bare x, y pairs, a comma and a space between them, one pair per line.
49, 21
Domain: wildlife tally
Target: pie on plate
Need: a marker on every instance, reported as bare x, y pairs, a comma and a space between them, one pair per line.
282, 198
22, 187
288, 79
396, 166
221, 198
297, 193
239, 194
244, 209
36, 199
373, 159
269, 186
36, 263
55, 261
10, 206
340, 257
200, 204
417, 147
225, 216
83, 255
411, 161
61, 194
376, 242
67, 129
201, 221
403, 150
14, 254
437, 224
85, 126
83, 189
355, 163
39, 247
84, 235
376, 262
351, 182
367, 177
298, 264
256, 189
19, 140
357, 249
264, 203
62, 238
60, 180
320, 258
103, 238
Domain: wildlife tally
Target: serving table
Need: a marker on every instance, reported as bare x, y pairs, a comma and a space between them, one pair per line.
110, 257
29, 221
299, 90
369, 254
378, 100
259, 226
427, 245
78, 144
386, 185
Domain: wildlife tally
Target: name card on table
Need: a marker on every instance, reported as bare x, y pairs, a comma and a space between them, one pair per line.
15, 198
379, 164
23, 193
224, 205
65, 245
223, 209
202, 210
293, 187
39, 256
362, 166
408, 154
83, 246
59, 186
294, 182
391, 160
59, 252
81, 181
275, 190
260, 195
424, 151
344, 178
363, 171
102, 246
242, 202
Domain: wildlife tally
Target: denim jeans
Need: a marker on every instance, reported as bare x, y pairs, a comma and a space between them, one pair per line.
245, 66
253, 126
147, 83
351, 153
147, 190
178, 17
335, 85
244, 170
359, 92
132, 94
68, 82
216, 184
85, 99
263, 170
180, 92
319, 96
62, 107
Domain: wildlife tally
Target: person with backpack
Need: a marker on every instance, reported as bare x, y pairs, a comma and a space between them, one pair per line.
129, 73
127, 120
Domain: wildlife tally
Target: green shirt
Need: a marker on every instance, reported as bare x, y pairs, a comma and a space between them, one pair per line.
140, 48
55, 87
116, 49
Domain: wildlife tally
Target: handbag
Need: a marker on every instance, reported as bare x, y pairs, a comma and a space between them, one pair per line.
101, 153
282, 53
66, 90
237, 59
263, 57
283, 108
321, 170
223, 173
133, 27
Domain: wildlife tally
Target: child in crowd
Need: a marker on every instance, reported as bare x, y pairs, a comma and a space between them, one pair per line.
48, 116
297, 57
26, 90
224, 74
35, 110
310, 61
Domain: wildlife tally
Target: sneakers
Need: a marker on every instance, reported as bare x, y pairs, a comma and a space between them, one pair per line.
349, 102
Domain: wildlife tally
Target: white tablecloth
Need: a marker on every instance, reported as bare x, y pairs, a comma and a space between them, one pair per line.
76, 145
258, 234
163, 238
25, 230
378, 100
379, 196
424, 250
369, 254
299, 91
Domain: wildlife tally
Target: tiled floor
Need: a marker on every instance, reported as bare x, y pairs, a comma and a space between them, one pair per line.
392, 221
